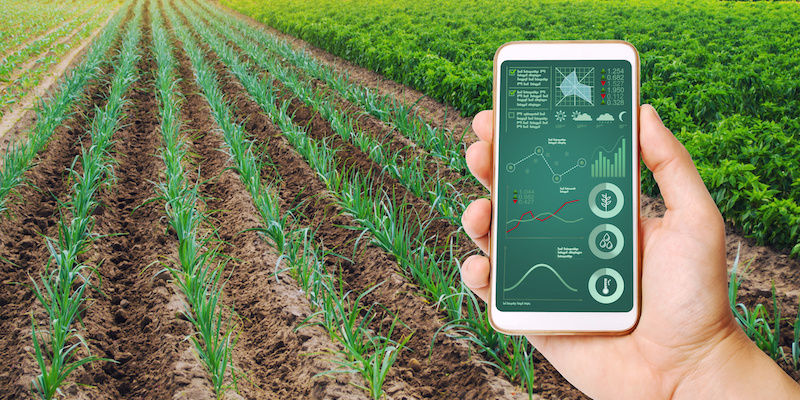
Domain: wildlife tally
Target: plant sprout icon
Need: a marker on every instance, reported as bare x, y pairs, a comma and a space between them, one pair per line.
561, 115
605, 201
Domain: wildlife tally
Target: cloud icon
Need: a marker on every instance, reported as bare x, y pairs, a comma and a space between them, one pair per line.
605, 117
579, 116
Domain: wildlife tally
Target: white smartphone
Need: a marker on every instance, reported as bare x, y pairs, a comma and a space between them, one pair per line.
564, 251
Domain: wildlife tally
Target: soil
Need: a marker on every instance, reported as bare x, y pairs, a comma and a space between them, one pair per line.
136, 319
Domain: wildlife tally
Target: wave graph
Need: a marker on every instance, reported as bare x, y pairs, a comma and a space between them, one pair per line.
534, 268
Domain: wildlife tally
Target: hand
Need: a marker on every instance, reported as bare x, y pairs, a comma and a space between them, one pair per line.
687, 343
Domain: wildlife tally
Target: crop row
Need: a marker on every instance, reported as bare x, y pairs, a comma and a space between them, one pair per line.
437, 141
62, 287
200, 272
414, 171
13, 61
727, 85
385, 217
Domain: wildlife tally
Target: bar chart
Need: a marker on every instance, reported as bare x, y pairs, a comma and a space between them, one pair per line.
610, 167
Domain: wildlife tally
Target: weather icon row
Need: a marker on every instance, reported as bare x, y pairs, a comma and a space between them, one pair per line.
561, 116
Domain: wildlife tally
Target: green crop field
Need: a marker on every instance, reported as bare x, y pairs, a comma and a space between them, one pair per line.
725, 76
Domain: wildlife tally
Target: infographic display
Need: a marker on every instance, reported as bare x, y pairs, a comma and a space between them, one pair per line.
565, 187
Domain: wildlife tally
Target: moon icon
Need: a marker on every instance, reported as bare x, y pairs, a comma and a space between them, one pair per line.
620, 116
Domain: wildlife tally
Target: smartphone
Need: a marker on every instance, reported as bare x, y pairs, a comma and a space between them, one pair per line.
564, 250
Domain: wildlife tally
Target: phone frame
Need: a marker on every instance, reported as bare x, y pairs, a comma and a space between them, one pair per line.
568, 323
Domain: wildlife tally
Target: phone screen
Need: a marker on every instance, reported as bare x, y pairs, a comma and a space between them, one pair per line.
565, 187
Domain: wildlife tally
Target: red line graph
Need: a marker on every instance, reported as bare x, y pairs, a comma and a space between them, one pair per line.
531, 213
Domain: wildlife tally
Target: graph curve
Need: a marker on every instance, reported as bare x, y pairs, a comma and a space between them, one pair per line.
548, 215
532, 269
544, 219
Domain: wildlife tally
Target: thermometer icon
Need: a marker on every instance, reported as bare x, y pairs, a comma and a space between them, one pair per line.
604, 294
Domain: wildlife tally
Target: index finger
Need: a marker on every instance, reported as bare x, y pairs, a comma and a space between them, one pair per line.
482, 124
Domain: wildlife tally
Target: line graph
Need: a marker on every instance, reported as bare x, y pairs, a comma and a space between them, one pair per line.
531, 269
539, 151
540, 219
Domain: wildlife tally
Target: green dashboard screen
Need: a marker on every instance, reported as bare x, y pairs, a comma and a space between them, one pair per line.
565, 196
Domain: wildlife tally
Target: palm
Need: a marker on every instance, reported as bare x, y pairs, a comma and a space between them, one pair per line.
680, 311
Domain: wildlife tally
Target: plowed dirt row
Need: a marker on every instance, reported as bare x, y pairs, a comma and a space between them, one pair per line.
23, 254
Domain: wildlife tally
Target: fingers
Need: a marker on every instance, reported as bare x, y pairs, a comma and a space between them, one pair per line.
482, 124
479, 154
476, 220
680, 183
478, 215
475, 274
479, 161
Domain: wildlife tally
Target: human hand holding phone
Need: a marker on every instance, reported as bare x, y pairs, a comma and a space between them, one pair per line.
687, 343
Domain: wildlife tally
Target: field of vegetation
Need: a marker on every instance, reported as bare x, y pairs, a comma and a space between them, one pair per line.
724, 76
202, 210
35, 36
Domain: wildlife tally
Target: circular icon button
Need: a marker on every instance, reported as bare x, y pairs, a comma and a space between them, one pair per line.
606, 285
606, 200
606, 241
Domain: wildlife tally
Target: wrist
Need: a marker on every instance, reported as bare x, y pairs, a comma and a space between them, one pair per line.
735, 368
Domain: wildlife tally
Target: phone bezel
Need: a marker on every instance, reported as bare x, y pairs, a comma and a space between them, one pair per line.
609, 323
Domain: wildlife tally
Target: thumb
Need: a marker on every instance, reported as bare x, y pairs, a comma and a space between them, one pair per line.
684, 192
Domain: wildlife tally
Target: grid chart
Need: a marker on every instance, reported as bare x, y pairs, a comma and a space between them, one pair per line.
575, 86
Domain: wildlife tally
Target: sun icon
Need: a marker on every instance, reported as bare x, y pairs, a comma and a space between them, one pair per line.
561, 116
